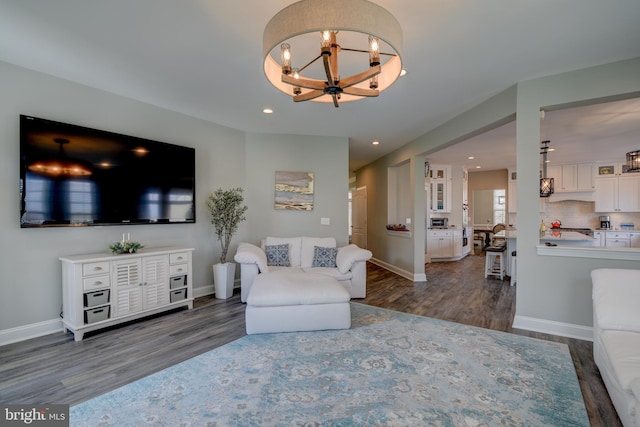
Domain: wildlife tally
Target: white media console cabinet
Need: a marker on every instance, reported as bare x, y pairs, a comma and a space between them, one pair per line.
100, 290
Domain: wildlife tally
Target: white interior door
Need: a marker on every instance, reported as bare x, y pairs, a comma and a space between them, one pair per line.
359, 217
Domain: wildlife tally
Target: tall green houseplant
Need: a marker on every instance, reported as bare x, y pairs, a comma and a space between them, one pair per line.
227, 211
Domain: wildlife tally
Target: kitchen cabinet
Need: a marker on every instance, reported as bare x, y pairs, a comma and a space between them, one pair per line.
572, 177
457, 243
440, 172
634, 240
440, 188
617, 239
600, 238
617, 193
445, 244
440, 243
440, 196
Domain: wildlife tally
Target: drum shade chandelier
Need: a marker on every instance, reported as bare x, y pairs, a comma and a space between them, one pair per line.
301, 47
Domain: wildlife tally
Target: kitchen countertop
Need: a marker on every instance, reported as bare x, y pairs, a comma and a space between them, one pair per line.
552, 236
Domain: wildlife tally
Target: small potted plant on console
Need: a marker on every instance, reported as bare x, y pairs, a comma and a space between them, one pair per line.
227, 212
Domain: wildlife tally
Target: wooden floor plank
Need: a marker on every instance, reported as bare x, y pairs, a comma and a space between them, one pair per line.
56, 369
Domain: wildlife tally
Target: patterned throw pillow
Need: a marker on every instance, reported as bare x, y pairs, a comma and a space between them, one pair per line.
324, 257
277, 255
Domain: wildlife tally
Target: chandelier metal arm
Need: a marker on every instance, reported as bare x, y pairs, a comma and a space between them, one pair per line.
360, 77
366, 51
309, 63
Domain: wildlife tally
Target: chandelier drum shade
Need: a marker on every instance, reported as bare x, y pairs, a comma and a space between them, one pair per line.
332, 50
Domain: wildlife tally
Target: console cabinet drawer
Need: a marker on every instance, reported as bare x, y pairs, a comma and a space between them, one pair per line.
92, 268
178, 257
96, 282
175, 270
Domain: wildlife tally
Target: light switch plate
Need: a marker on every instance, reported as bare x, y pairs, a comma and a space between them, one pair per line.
325, 221
408, 221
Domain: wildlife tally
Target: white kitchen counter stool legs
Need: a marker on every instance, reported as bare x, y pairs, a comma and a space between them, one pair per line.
494, 264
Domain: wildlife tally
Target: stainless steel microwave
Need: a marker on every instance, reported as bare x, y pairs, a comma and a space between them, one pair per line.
439, 222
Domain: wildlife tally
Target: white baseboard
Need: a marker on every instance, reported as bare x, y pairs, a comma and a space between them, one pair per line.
554, 328
404, 273
203, 291
22, 333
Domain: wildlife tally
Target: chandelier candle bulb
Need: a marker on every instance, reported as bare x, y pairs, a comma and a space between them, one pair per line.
286, 58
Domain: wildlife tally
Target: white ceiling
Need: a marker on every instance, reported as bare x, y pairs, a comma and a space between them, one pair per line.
203, 58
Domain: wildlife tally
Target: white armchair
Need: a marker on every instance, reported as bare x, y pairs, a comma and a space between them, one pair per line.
350, 262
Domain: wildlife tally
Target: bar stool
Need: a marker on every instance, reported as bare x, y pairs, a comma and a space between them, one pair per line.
494, 264
513, 268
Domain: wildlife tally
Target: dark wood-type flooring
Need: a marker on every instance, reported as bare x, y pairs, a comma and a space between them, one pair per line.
56, 369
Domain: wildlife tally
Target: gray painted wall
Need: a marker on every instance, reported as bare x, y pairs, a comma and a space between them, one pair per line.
327, 158
30, 288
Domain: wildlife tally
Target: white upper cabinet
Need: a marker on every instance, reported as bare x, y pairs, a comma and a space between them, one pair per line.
571, 177
617, 194
440, 188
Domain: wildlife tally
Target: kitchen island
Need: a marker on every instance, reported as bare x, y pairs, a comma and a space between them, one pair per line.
551, 238
572, 238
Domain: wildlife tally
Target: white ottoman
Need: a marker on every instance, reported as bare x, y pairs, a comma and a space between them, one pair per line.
295, 301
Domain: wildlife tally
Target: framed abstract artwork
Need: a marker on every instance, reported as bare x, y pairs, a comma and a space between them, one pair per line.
294, 191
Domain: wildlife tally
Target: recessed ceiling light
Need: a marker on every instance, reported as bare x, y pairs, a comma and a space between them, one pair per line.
375, 143
478, 167
470, 157
552, 149
267, 110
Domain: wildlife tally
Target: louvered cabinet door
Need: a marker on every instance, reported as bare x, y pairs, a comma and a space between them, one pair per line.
156, 281
127, 277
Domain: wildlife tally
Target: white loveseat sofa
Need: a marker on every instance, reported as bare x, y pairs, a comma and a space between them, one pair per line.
350, 262
616, 338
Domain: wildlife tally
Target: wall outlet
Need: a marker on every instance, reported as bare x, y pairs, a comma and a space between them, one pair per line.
325, 221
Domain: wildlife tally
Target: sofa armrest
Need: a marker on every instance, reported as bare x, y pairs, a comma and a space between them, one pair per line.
348, 255
616, 293
251, 254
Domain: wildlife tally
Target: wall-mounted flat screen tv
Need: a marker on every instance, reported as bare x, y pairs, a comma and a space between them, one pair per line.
77, 176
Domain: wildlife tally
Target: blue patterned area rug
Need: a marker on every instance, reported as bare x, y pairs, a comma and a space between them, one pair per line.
390, 368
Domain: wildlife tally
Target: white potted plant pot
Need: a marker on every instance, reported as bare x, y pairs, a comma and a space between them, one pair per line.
223, 278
